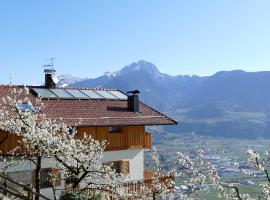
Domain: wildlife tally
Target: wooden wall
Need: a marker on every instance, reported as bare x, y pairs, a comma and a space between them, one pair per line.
129, 137
10, 143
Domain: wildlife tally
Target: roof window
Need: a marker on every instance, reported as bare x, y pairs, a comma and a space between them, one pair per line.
26, 107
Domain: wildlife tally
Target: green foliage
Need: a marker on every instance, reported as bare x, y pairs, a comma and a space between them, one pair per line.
78, 195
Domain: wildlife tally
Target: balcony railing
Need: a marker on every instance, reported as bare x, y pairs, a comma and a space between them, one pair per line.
147, 182
147, 141
134, 187
116, 141
120, 141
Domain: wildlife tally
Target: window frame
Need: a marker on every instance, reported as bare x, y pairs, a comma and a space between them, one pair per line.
115, 129
120, 166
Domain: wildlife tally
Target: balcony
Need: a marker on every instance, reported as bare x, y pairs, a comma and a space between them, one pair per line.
133, 137
147, 182
120, 141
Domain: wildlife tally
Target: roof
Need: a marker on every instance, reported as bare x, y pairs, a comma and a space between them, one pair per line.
95, 112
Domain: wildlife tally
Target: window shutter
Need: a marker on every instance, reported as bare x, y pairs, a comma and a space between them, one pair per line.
124, 167
33, 177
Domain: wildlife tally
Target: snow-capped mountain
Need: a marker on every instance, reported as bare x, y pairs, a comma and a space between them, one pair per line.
228, 103
68, 79
157, 89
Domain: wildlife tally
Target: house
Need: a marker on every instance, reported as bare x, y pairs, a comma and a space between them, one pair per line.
108, 114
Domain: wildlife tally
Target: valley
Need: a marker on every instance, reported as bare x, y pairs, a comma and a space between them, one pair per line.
224, 153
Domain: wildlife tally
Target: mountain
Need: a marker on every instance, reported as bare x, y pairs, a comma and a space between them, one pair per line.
68, 79
228, 103
160, 90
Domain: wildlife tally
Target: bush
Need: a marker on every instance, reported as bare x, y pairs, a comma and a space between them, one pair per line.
78, 195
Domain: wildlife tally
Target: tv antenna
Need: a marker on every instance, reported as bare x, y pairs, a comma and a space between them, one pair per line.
50, 62
11, 78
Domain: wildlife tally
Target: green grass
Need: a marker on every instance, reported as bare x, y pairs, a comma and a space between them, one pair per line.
252, 190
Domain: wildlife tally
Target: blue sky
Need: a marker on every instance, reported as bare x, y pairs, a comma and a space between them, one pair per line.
91, 37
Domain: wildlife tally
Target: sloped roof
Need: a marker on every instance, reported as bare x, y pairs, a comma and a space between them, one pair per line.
96, 112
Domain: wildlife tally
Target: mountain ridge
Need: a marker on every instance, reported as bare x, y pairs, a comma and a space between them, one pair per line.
229, 103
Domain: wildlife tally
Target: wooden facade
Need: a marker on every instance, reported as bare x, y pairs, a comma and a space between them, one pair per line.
7, 144
130, 137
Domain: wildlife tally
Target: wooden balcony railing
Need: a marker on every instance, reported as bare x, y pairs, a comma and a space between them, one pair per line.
130, 138
147, 141
147, 182
134, 187
120, 141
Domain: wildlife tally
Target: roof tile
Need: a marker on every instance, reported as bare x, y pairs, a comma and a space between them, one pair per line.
97, 112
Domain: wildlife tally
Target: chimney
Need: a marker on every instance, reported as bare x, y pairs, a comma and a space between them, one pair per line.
49, 75
133, 101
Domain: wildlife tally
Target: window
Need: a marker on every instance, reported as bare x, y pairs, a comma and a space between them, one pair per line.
116, 166
121, 166
115, 129
26, 107
49, 177
72, 131
24, 177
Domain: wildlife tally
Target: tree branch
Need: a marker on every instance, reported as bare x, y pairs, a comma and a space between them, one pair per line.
233, 187
267, 175
66, 165
5, 138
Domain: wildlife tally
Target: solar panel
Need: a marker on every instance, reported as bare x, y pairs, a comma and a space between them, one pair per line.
44, 93
61, 93
119, 94
92, 94
106, 94
77, 94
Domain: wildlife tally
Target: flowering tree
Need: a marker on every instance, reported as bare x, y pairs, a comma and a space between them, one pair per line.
81, 159
45, 138
195, 173
259, 162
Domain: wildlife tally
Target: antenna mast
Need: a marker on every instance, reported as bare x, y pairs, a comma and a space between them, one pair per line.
11, 78
51, 63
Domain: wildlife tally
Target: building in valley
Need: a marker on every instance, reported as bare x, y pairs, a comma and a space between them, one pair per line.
108, 114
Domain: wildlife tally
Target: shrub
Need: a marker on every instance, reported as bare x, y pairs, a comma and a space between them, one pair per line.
78, 195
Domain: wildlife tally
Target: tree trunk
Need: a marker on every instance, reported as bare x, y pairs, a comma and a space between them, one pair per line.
78, 180
5, 184
37, 177
53, 189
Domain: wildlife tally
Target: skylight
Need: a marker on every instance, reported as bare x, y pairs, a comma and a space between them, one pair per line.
26, 107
